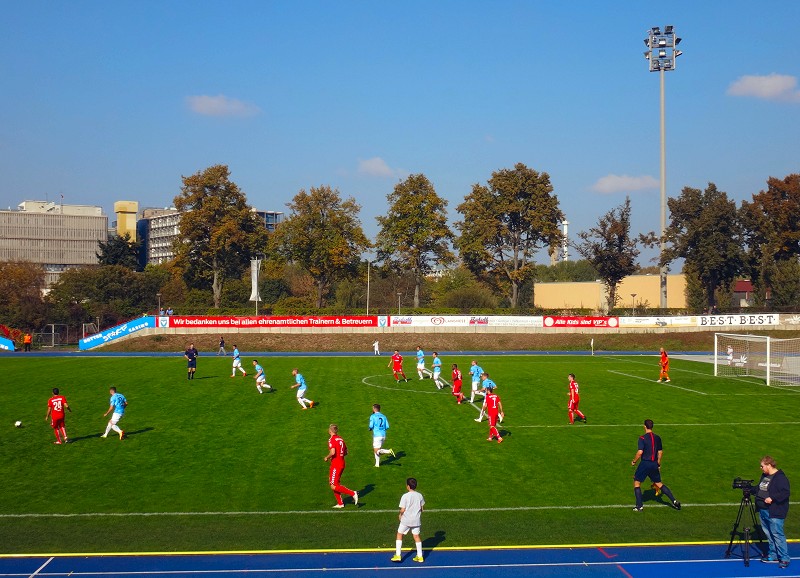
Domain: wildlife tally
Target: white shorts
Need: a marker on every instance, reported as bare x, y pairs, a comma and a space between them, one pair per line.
115, 417
237, 363
421, 366
377, 442
403, 529
475, 385
301, 392
437, 371
261, 378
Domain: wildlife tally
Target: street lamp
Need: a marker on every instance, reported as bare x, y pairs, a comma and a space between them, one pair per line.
633, 303
159, 303
369, 265
662, 54
256, 265
398, 302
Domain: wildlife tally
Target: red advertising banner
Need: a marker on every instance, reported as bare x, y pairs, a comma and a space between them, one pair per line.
174, 322
572, 322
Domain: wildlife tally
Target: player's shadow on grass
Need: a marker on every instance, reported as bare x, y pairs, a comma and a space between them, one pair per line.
394, 460
138, 431
431, 542
365, 491
110, 434
650, 496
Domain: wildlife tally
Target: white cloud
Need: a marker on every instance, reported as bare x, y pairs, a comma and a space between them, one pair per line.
375, 167
623, 184
220, 105
778, 87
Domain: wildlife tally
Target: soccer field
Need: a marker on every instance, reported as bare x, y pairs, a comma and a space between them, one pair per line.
210, 464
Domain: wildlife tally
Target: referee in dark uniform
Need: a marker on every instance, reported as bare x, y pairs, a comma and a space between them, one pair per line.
191, 357
649, 451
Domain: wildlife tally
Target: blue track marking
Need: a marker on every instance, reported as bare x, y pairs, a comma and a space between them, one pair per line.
617, 561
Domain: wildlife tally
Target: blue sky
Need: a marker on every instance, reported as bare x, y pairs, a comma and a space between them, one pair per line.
105, 101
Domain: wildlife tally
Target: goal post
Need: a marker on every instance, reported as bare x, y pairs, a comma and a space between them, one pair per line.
776, 361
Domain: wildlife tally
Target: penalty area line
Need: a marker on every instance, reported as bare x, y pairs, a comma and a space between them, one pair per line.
759, 423
661, 382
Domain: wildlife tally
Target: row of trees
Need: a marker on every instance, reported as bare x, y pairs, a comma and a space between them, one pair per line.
316, 257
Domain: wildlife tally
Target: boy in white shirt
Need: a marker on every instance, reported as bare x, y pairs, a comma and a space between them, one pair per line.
410, 519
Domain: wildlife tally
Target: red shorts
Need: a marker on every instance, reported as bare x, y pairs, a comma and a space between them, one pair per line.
397, 368
57, 423
492, 419
456, 387
335, 473
573, 404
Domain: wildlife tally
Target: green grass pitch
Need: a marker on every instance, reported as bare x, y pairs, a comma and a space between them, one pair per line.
210, 464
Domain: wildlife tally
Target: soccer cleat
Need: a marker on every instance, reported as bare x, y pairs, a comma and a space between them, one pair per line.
392, 453
121, 434
397, 558
104, 436
355, 498
66, 441
420, 559
677, 504
57, 443
490, 439
311, 404
244, 374
656, 489
406, 380
658, 381
234, 375
477, 419
339, 506
638, 508
668, 380
499, 440
769, 560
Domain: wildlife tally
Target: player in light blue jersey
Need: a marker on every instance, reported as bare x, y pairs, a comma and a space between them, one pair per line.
421, 371
237, 362
117, 404
379, 424
475, 372
261, 378
300, 384
437, 370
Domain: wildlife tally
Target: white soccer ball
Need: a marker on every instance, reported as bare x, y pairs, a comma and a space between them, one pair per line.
17, 424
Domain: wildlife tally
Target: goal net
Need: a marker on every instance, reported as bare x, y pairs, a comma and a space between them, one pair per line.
776, 361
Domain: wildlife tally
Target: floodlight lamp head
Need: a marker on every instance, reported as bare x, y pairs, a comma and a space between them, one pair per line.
661, 41
656, 30
662, 53
678, 41
668, 29
647, 54
647, 42
677, 53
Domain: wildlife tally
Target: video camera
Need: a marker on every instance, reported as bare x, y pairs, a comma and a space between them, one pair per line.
745, 485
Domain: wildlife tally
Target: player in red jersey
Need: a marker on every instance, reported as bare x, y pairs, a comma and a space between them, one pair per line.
494, 408
457, 383
55, 410
338, 450
664, 364
396, 363
574, 400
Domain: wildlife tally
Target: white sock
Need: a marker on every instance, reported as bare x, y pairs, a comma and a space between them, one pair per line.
300, 400
258, 387
398, 544
377, 459
419, 549
116, 429
108, 429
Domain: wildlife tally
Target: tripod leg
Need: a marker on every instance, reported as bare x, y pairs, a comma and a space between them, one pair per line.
747, 546
735, 527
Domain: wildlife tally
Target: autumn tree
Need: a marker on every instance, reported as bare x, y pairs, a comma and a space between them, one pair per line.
119, 250
771, 224
505, 223
704, 230
323, 235
608, 246
414, 235
21, 285
219, 232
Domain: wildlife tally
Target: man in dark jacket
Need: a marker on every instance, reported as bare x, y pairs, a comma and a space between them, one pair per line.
772, 501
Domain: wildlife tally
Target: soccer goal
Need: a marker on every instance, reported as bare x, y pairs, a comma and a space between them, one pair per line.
776, 361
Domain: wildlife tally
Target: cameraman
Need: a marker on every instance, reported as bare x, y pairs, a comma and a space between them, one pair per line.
772, 501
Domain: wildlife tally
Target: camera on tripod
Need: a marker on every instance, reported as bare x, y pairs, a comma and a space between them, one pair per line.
745, 485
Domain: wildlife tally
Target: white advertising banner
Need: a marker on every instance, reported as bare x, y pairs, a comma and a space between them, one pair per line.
738, 320
657, 322
465, 321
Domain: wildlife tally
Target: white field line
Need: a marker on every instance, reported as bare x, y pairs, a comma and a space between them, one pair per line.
40, 568
664, 424
661, 383
351, 510
781, 388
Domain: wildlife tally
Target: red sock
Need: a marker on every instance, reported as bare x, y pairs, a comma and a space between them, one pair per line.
338, 497
493, 432
571, 417
55, 431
